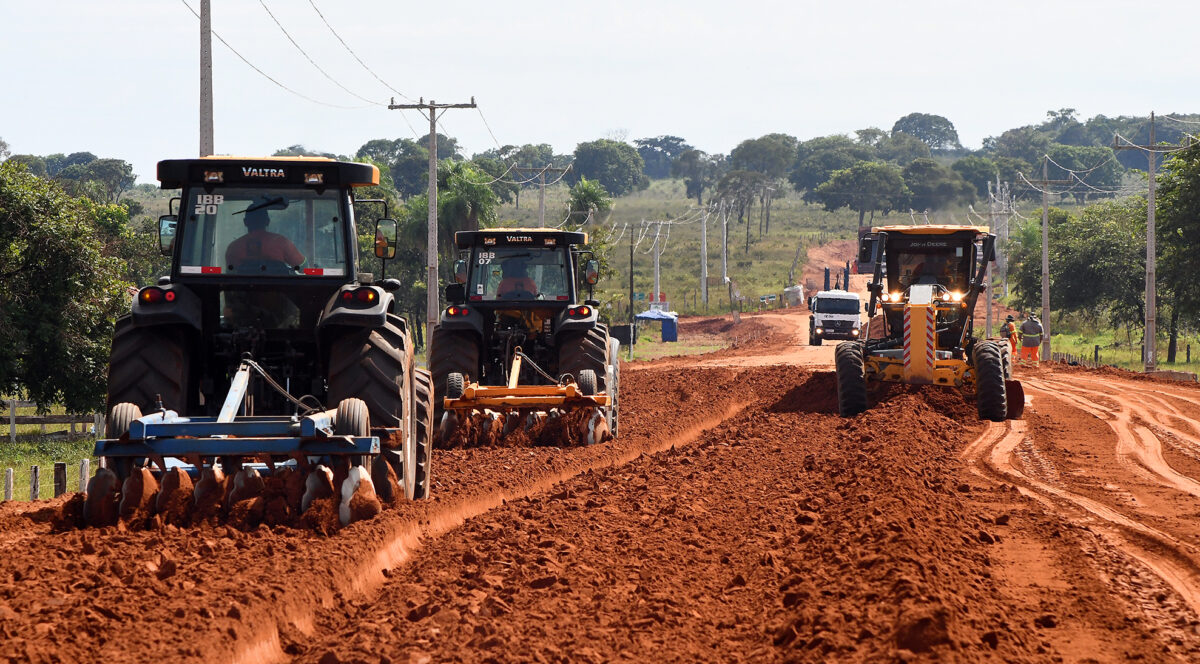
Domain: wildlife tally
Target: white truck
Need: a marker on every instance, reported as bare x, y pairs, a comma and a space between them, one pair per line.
836, 314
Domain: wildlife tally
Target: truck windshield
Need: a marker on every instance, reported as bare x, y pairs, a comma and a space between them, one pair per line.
519, 273
263, 232
830, 305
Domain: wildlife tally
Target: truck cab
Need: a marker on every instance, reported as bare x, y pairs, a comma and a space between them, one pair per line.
836, 314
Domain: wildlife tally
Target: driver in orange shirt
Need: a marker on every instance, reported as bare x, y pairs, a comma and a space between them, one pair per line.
260, 244
516, 280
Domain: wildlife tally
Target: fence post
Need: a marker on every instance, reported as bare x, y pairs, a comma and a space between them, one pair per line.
1096, 354
8, 483
99, 425
60, 478
1189, 353
33, 483
84, 473
12, 421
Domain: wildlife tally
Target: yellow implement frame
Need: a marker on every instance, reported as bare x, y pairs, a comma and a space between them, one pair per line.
529, 397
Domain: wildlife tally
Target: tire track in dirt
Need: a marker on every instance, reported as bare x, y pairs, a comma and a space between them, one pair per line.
991, 455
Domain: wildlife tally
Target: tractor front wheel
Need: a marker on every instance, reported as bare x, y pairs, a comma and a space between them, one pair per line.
990, 393
451, 351
851, 378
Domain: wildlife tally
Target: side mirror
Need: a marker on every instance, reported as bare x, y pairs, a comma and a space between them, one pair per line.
591, 272
456, 293
460, 271
166, 233
866, 249
385, 238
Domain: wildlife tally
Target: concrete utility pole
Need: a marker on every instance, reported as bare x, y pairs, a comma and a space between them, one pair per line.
632, 320
704, 261
206, 93
1043, 183
432, 306
655, 297
541, 173
724, 243
1149, 345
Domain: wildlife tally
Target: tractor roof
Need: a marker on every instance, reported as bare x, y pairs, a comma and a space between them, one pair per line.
266, 171
519, 237
929, 229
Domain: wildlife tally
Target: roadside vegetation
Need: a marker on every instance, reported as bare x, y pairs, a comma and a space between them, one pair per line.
83, 215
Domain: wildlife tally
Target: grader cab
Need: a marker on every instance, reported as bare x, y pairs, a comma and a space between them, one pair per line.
925, 283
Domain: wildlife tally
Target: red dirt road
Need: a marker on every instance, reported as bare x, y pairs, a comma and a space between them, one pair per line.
737, 518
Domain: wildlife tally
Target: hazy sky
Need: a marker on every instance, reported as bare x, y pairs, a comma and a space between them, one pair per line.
120, 77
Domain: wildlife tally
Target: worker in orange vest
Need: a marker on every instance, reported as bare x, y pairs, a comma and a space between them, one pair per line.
1009, 331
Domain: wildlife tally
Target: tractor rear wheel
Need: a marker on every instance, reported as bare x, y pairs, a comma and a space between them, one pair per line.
147, 363
585, 350
450, 351
422, 432
372, 364
990, 392
851, 378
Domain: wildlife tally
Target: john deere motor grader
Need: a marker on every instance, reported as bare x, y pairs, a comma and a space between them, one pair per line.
516, 340
926, 280
265, 344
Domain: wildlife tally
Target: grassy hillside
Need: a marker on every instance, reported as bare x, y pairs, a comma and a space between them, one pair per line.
762, 270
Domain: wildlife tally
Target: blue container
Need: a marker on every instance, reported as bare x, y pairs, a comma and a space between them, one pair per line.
670, 331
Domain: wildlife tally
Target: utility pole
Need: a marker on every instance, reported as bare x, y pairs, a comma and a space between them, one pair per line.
724, 243
632, 325
541, 173
432, 306
654, 249
704, 260
1043, 183
1150, 344
206, 93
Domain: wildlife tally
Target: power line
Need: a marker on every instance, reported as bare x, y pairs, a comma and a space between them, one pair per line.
355, 55
311, 61
263, 73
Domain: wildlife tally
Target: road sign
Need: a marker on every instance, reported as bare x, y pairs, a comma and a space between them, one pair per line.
639, 296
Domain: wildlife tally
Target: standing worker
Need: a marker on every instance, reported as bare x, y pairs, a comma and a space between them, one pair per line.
1009, 331
1031, 338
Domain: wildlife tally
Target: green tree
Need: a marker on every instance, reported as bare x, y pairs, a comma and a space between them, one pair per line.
770, 155
901, 148
4, 150
59, 294
587, 200
699, 171
33, 163
617, 166
978, 171
934, 130
1024, 143
1094, 165
301, 151
818, 158
867, 186
1177, 216
659, 153
935, 187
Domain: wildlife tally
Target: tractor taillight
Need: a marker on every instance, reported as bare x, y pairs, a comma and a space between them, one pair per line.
153, 295
457, 311
347, 296
169, 296
579, 311
366, 295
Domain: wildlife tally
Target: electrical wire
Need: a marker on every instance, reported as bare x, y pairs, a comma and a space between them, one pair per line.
355, 55
266, 75
1111, 157
1179, 120
1145, 149
314, 62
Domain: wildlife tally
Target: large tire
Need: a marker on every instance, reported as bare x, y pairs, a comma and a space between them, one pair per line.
587, 382
353, 419
119, 420
851, 378
585, 350
990, 393
372, 364
423, 432
148, 362
451, 351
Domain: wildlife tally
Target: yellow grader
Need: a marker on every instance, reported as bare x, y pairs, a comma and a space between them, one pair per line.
926, 280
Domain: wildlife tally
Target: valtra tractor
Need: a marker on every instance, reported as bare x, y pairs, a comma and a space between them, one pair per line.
264, 350
516, 347
926, 279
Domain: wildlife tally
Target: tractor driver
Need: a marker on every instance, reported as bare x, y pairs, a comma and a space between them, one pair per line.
259, 244
516, 280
